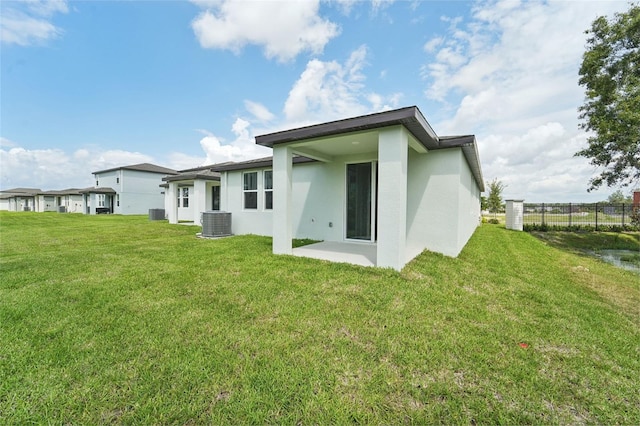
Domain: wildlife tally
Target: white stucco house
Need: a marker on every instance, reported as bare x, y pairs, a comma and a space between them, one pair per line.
66, 200
190, 192
19, 199
126, 190
376, 189
63, 201
36, 200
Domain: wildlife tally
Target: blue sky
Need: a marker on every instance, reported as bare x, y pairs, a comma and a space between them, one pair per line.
89, 85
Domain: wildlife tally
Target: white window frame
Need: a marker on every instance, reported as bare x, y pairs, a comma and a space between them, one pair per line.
374, 201
183, 195
267, 190
246, 191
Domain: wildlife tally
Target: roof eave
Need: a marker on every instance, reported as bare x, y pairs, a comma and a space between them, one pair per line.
410, 117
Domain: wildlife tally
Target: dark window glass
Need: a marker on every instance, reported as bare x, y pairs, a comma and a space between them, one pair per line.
250, 200
268, 179
268, 200
250, 181
359, 201
215, 192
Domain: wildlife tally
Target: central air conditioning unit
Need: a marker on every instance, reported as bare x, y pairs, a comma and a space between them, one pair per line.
62, 209
156, 214
216, 223
26, 209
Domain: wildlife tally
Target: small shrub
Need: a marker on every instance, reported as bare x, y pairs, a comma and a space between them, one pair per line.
493, 221
531, 227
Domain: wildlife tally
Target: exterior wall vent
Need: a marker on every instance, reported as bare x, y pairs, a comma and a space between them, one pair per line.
216, 223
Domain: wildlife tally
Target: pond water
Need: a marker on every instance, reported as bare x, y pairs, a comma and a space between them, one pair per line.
616, 257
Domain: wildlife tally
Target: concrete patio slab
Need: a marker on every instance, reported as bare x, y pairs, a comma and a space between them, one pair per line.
363, 254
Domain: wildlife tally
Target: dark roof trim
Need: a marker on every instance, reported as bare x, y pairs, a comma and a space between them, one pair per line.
101, 190
70, 191
410, 117
142, 167
22, 191
193, 176
257, 164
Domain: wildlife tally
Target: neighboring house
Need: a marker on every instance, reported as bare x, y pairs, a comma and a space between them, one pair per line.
31, 199
190, 192
63, 201
19, 199
126, 190
67, 200
382, 184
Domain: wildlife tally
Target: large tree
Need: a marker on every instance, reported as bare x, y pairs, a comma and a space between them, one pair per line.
494, 199
610, 73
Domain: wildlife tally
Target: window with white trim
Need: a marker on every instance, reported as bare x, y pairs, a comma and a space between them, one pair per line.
250, 190
101, 200
183, 197
268, 189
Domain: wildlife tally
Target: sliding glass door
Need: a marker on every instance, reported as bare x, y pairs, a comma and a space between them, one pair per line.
359, 201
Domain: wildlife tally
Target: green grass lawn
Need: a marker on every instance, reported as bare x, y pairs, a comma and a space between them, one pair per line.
112, 319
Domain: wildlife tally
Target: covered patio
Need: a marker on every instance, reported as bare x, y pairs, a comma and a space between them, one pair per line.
363, 254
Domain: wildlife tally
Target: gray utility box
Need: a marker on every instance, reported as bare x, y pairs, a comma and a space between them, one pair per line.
156, 214
216, 223
62, 209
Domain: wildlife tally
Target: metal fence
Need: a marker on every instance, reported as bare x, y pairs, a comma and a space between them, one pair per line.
574, 215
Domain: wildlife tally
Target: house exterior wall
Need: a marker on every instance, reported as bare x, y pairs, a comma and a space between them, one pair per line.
136, 191
442, 202
318, 200
139, 192
317, 205
185, 213
243, 221
200, 200
46, 203
4, 204
73, 203
443, 205
20, 204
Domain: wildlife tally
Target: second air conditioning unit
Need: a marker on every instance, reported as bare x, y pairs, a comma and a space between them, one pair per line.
216, 223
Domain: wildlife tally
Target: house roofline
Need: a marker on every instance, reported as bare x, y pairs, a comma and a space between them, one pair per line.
99, 190
142, 167
191, 176
410, 117
259, 163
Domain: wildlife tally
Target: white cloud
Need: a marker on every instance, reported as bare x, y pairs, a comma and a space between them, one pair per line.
47, 7
511, 74
324, 91
433, 44
283, 28
331, 90
28, 23
243, 147
57, 169
259, 111
6, 143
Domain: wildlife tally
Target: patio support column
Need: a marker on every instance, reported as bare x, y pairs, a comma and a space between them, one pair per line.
199, 199
282, 216
93, 202
393, 143
172, 202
